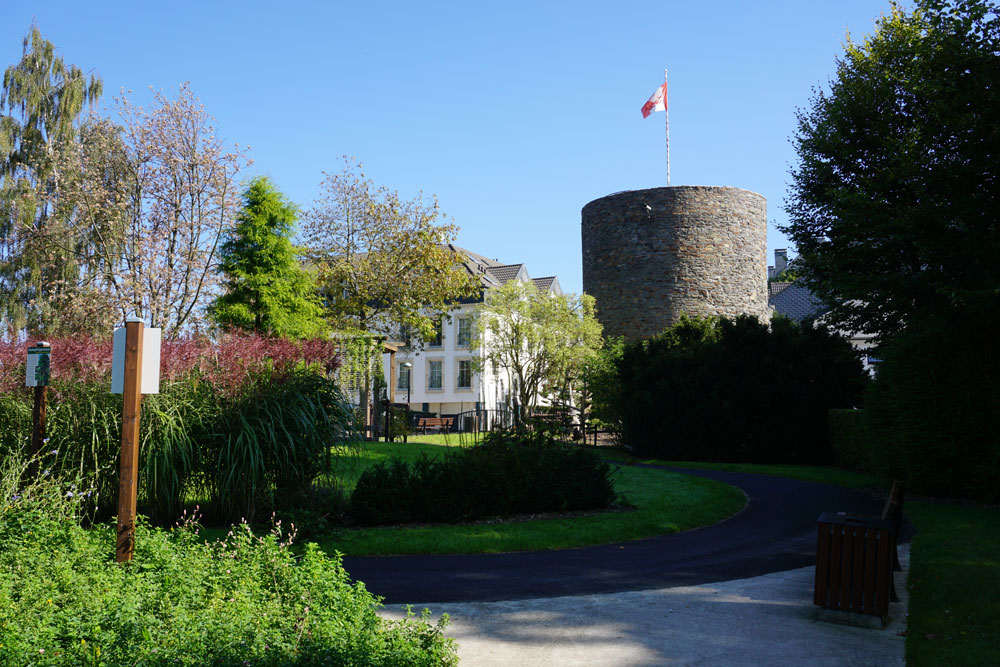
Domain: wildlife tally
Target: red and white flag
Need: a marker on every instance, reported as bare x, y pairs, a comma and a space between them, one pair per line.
656, 102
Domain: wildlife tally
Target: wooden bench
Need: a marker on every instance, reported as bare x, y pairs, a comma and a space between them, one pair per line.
440, 423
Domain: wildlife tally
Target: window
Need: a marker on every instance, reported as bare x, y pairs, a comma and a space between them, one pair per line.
436, 340
405, 334
434, 375
404, 378
464, 331
465, 374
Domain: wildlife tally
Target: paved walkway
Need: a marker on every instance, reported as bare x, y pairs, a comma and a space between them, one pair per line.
736, 593
775, 532
766, 620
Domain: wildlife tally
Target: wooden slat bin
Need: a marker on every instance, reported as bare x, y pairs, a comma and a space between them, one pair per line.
854, 564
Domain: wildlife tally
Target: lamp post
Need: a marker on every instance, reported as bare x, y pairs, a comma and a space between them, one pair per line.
409, 383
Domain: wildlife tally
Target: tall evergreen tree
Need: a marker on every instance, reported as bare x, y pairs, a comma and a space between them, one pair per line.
40, 103
266, 290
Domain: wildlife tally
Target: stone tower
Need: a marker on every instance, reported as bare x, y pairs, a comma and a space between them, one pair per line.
650, 255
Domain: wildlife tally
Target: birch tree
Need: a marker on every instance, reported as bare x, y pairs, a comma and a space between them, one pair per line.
40, 105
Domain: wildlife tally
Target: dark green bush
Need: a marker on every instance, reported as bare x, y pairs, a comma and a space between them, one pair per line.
934, 410
505, 475
243, 600
736, 390
849, 440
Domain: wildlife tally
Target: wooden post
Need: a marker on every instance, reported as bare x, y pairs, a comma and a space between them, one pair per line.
128, 484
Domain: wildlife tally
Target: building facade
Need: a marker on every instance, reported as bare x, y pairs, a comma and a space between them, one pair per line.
442, 376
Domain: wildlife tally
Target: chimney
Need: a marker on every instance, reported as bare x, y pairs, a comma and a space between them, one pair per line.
780, 260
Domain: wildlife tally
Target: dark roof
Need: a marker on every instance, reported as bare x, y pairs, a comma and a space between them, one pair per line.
544, 284
795, 302
506, 273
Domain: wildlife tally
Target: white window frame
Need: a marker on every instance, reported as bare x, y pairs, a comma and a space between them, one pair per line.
458, 332
430, 374
458, 374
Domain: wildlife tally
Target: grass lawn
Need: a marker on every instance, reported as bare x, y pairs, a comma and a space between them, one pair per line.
820, 474
954, 584
664, 502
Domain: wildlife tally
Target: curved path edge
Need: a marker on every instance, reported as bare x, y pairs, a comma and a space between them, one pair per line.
775, 532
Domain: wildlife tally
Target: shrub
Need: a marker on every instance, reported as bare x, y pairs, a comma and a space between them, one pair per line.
737, 390
246, 423
849, 440
243, 600
934, 410
505, 475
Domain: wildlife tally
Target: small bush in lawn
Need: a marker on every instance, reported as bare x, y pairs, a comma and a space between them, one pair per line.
243, 600
507, 474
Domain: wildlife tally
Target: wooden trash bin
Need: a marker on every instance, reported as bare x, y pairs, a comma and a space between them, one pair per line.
854, 564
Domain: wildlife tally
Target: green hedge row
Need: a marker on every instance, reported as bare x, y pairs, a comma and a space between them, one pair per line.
735, 390
505, 475
932, 418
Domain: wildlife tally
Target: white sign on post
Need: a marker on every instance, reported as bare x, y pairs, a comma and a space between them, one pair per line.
150, 361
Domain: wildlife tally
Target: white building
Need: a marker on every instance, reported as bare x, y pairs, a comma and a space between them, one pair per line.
441, 377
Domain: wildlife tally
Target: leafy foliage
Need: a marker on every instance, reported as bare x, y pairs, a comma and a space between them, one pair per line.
43, 98
893, 202
266, 290
245, 599
736, 390
382, 261
247, 424
602, 385
934, 412
540, 340
508, 474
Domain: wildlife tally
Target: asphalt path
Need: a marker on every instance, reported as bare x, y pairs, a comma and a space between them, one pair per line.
775, 532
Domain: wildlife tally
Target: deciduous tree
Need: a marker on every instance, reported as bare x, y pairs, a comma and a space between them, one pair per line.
893, 204
40, 105
157, 192
539, 340
383, 261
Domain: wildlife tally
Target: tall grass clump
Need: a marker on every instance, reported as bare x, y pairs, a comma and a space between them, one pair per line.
246, 599
244, 424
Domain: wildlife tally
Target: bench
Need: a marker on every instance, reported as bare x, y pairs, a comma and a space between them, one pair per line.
856, 555
440, 423
893, 511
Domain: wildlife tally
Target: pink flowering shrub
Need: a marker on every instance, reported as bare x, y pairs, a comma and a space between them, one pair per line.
245, 421
229, 364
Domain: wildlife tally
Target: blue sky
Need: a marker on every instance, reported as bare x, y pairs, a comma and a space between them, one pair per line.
515, 114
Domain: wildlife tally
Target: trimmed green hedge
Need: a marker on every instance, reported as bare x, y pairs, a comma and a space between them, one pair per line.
849, 440
736, 391
934, 412
503, 476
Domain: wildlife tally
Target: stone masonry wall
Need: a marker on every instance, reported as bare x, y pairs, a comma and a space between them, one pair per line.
650, 255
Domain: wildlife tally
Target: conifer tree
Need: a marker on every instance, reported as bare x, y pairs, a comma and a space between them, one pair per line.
266, 290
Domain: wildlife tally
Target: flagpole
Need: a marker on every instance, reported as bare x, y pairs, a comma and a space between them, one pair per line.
667, 114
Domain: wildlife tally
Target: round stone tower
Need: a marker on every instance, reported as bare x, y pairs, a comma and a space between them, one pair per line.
650, 255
